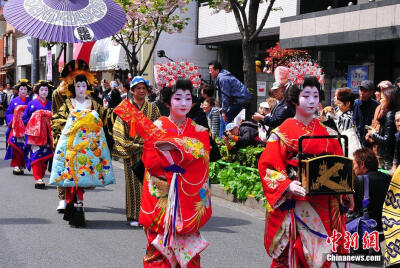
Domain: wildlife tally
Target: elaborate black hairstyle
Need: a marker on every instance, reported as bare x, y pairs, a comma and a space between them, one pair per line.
23, 83
70, 74
181, 83
293, 91
43, 83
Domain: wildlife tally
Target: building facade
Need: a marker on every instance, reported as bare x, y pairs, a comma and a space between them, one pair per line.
352, 42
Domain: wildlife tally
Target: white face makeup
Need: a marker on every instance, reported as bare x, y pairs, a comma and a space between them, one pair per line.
23, 92
43, 92
181, 103
80, 90
308, 101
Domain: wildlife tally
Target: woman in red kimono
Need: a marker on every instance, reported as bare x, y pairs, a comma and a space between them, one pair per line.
297, 225
175, 199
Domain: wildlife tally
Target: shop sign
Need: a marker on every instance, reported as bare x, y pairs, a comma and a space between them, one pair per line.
261, 88
356, 74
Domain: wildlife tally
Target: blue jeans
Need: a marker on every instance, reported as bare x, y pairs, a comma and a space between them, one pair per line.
232, 111
222, 126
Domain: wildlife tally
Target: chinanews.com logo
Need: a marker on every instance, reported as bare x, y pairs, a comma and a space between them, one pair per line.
350, 242
353, 258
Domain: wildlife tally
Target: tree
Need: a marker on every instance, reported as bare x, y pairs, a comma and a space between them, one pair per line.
146, 20
246, 15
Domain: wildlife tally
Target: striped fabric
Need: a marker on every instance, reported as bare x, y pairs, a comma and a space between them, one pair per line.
391, 221
130, 150
345, 121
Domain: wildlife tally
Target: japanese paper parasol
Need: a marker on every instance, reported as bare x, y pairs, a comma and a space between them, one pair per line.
65, 21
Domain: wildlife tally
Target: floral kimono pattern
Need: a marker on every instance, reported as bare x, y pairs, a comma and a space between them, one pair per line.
82, 157
175, 198
289, 219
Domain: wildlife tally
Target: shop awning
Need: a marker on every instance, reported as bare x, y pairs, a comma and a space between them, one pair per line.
81, 52
7, 66
107, 56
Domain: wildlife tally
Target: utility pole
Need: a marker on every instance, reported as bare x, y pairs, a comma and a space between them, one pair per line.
70, 52
35, 60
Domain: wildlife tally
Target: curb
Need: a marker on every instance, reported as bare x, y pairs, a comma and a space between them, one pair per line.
219, 191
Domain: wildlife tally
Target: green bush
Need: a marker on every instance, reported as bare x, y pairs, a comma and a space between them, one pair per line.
238, 180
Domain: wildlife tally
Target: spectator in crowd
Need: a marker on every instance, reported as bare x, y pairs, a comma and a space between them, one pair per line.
3, 105
234, 94
365, 163
95, 95
378, 111
280, 112
212, 113
397, 83
396, 158
196, 113
124, 90
104, 87
207, 92
8, 90
364, 109
263, 109
345, 103
164, 110
385, 138
13, 95
244, 135
271, 102
113, 96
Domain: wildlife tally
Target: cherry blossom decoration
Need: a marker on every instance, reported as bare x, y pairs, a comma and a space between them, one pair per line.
166, 74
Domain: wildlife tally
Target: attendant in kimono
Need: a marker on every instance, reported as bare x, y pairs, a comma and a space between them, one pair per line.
16, 128
81, 158
297, 226
130, 148
38, 139
176, 198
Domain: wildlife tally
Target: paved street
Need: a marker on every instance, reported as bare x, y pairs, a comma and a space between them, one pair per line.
32, 234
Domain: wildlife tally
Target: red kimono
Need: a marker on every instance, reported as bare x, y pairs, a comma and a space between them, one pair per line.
175, 199
288, 239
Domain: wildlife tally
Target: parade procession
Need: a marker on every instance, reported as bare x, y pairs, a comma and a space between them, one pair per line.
178, 133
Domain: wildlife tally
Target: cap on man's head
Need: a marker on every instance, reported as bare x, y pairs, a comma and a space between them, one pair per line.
276, 85
264, 105
230, 126
137, 80
368, 85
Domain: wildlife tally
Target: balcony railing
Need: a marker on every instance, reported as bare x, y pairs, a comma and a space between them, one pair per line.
307, 6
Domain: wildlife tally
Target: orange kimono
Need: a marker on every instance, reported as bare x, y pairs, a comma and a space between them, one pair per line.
296, 228
175, 198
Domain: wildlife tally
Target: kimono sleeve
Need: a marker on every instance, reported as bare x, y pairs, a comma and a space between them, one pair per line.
10, 113
272, 169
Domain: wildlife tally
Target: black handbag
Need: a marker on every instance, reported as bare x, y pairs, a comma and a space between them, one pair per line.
215, 154
138, 169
